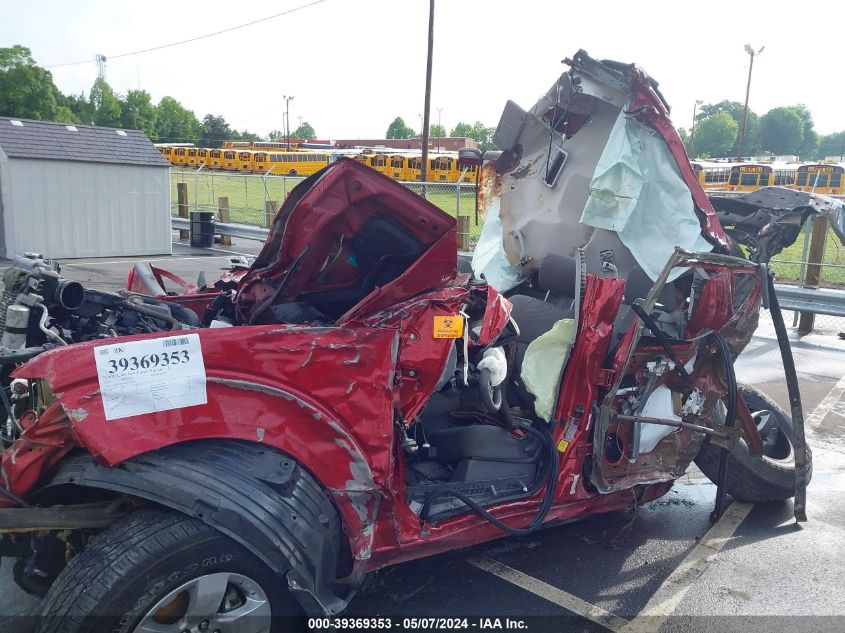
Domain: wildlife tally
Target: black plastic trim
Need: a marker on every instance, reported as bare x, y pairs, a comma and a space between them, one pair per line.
255, 495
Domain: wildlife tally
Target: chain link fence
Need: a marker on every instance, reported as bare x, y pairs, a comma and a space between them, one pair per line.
793, 266
254, 199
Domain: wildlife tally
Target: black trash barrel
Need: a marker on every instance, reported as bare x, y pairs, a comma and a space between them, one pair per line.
202, 229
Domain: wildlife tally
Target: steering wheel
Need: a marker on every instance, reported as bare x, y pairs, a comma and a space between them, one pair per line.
490, 396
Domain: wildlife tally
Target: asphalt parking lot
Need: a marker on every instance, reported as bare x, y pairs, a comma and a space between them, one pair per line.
662, 567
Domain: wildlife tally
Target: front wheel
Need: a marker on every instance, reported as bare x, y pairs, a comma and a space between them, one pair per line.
157, 571
770, 477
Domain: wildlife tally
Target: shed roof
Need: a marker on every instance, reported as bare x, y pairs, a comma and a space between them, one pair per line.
24, 138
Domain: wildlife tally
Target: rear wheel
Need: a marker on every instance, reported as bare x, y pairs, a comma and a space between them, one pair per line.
770, 477
158, 571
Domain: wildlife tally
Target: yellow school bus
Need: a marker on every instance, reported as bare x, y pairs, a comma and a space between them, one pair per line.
449, 169
712, 175
214, 159
192, 158
260, 162
364, 159
817, 178
441, 169
230, 160
750, 177
379, 162
296, 163
785, 174
397, 167
180, 156
244, 160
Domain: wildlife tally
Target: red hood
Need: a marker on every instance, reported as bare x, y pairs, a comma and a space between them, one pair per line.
330, 224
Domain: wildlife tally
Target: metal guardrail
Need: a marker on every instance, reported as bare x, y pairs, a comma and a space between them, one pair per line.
243, 231
821, 301
817, 301
735, 194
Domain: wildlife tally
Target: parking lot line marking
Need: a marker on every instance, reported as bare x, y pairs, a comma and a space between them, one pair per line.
548, 592
669, 595
824, 407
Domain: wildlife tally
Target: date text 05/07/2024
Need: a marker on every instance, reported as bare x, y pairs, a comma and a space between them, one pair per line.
423, 623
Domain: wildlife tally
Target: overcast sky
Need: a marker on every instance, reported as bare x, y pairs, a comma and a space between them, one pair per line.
354, 65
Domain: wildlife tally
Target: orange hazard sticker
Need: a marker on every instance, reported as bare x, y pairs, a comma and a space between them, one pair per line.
448, 326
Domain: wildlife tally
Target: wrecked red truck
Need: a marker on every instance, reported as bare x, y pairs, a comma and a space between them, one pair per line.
359, 396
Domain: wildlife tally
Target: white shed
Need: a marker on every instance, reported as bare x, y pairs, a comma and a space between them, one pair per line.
81, 191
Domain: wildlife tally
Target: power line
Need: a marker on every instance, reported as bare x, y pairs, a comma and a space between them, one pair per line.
199, 37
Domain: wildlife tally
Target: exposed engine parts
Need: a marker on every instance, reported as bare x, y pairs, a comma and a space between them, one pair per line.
40, 310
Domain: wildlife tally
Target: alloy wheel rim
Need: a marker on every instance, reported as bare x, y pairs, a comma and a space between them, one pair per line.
222, 602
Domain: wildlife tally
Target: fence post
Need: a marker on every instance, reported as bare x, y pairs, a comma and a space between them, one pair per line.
223, 216
463, 232
802, 271
457, 198
270, 207
814, 259
182, 206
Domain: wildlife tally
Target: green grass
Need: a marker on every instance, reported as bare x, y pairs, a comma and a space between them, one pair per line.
248, 195
787, 268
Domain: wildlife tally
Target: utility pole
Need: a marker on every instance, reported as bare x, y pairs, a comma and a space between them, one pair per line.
751, 54
101, 66
439, 112
695, 105
427, 106
287, 119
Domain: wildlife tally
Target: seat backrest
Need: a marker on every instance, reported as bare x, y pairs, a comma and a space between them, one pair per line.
535, 316
557, 275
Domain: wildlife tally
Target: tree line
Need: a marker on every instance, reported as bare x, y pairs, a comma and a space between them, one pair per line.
785, 130
482, 134
27, 91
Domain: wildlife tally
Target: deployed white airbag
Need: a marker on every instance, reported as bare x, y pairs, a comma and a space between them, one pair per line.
489, 257
638, 192
496, 363
543, 363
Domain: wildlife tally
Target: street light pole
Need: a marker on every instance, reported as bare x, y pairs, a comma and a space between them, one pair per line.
287, 119
751, 54
695, 105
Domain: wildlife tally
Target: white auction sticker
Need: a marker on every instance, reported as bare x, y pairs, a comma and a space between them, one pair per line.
154, 375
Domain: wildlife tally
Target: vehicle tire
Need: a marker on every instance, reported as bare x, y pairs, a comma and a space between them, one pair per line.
770, 477
161, 570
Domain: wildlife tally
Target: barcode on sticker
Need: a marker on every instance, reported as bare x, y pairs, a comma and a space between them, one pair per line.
173, 342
